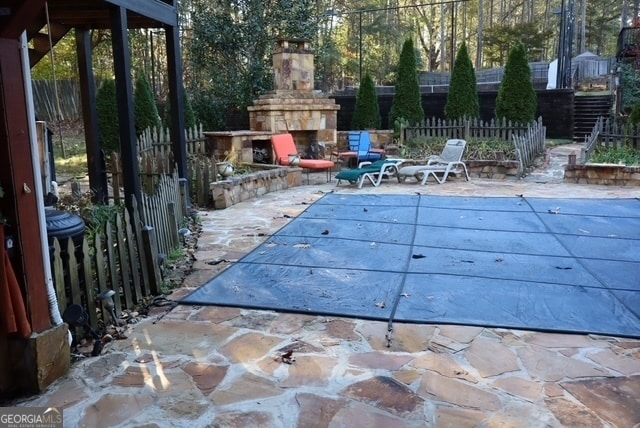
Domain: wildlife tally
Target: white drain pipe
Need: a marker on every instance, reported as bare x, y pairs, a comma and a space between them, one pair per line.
54, 312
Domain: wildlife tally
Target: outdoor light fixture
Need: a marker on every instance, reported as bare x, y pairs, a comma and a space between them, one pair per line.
184, 232
76, 316
106, 298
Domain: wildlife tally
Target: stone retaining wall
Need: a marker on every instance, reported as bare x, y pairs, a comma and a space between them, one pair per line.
498, 170
606, 174
270, 178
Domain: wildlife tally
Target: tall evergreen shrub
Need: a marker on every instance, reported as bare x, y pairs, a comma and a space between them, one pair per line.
108, 122
189, 115
145, 109
462, 99
367, 111
407, 102
517, 100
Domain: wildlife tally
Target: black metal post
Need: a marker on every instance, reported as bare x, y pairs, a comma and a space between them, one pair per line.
360, 47
561, 56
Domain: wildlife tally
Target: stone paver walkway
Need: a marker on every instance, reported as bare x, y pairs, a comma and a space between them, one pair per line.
228, 367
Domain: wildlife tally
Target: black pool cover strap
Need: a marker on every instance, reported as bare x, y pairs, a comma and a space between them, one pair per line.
400, 293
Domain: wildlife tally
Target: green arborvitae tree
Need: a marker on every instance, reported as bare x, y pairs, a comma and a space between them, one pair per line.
407, 102
517, 100
144, 106
189, 115
462, 99
108, 123
367, 111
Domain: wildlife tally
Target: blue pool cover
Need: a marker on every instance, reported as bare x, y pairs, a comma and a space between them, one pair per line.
565, 265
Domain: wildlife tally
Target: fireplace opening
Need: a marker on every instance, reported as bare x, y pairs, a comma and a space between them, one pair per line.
262, 151
308, 144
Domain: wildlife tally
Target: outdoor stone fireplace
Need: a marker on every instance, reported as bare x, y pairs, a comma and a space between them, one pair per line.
293, 106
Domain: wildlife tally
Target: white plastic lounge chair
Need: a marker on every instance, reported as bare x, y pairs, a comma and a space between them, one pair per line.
374, 172
439, 166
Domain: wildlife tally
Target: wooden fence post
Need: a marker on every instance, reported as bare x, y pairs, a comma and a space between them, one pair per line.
151, 260
58, 272
184, 197
173, 223
142, 256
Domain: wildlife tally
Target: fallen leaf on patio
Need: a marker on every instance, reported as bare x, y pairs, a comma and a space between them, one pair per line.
326, 232
381, 304
302, 246
287, 357
418, 256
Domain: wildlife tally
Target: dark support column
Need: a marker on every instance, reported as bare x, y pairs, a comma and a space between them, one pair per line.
19, 203
176, 94
95, 156
124, 97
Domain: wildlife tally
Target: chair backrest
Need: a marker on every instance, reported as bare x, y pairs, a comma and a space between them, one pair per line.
453, 150
359, 142
283, 146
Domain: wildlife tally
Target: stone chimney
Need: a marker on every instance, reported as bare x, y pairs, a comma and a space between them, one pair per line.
293, 66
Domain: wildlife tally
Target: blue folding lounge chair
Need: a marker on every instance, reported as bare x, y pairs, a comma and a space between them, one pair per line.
360, 149
439, 166
374, 172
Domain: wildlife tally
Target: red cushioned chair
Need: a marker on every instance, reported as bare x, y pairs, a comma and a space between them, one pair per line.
283, 146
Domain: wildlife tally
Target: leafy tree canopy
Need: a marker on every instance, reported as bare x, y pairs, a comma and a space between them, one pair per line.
230, 50
499, 39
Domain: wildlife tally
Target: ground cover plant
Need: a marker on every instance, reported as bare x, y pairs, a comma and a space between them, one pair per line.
618, 155
477, 149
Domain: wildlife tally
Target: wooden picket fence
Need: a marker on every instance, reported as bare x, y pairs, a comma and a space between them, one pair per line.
591, 139
159, 141
529, 140
156, 159
127, 257
530, 145
464, 129
164, 199
153, 166
123, 258
609, 132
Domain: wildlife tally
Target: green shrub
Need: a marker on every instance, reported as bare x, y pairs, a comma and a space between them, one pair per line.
462, 98
144, 106
517, 101
189, 115
625, 155
108, 122
210, 111
407, 101
367, 111
477, 148
634, 118
630, 81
